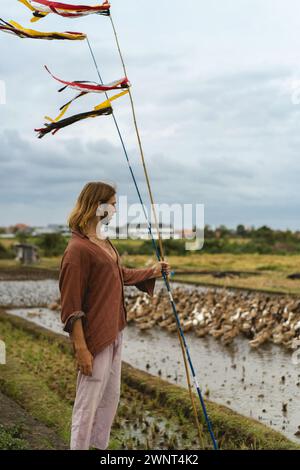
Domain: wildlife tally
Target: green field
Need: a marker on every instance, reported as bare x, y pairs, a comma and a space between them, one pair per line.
269, 271
257, 271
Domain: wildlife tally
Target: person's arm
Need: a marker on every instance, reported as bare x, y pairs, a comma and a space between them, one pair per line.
133, 275
144, 278
83, 356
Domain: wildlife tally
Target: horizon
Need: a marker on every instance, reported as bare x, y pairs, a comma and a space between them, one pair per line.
207, 226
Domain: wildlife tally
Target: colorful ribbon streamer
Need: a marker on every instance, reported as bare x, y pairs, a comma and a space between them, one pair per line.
65, 107
91, 87
42, 8
104, 108
12, 27
85, 87
56, 126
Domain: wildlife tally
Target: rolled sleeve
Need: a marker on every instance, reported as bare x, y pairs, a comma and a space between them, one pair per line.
69, 323
72, 288
142, 278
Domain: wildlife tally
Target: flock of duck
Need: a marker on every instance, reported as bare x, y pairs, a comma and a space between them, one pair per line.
220, 313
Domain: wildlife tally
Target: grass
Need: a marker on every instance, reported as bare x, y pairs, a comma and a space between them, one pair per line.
40, 375
8, 242
273, 270
10, 438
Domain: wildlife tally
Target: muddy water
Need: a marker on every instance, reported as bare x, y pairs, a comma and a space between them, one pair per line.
260, 383
28, 293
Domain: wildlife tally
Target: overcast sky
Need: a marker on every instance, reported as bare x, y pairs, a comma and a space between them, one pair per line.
212, 82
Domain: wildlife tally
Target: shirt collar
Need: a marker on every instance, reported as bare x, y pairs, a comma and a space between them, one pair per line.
78, 233
82, 235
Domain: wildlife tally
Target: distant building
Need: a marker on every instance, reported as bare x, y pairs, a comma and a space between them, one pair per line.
7, 235
60, 228
138, 231
51, 228
141, 231
24, 228
41, 231
26, 253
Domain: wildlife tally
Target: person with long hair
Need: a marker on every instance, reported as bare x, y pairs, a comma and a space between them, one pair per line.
93, 312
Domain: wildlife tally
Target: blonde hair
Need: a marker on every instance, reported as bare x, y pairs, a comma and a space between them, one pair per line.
92, 194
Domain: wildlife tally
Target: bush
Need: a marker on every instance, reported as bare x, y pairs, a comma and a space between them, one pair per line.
140, 247
52, 244
171, 247
6, 253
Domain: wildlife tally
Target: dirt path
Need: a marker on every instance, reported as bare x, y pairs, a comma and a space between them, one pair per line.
36, 434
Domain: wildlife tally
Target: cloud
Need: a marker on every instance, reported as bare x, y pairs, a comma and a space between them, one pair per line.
212, 102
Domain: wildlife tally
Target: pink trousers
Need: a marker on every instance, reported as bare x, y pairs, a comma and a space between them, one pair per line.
97, 399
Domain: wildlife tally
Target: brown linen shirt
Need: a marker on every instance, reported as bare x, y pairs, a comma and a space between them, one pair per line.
91, 286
